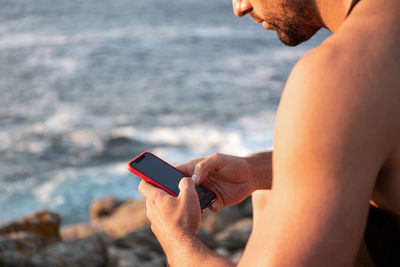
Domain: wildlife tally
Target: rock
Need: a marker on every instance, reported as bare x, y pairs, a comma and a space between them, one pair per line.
118, 257
126, 217
129, 216
80, 230
82, 252
246, 207
44, 224
14, 258
215, 222
207, 238
121, 147
127, 258
139, 248
236, 235
31, 241
222, 251
103, 207
21, 242
236, 256
143, 237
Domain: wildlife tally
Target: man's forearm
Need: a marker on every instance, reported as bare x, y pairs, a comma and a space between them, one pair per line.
261, 167
190, 251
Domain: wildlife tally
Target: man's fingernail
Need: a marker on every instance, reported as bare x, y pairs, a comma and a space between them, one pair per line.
195, 178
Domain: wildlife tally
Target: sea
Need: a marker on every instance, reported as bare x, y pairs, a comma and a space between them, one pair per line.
86, 85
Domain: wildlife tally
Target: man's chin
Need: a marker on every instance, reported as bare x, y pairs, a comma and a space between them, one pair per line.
293, 38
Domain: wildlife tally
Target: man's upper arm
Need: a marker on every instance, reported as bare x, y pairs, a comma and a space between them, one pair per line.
330, 143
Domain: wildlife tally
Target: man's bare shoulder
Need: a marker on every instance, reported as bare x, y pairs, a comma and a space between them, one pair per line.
352, 70
332, 135
351, 63
343, 97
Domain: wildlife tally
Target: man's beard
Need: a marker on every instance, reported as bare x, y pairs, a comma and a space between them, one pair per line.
292, 36
291, 33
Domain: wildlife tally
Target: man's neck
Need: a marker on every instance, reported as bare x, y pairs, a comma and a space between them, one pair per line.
333, 12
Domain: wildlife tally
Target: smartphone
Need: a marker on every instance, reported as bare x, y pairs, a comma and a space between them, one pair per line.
159, 173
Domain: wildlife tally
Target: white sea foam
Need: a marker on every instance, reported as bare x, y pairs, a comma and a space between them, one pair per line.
66, 65
142, 32
29, 39
246, 135
63, 119
85, 139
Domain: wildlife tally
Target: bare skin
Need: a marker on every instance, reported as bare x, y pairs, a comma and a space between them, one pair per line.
336, 144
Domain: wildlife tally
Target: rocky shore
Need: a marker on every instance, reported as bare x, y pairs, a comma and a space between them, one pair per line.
117, 234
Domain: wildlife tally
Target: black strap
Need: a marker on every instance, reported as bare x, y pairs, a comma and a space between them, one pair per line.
353, 4
382, 237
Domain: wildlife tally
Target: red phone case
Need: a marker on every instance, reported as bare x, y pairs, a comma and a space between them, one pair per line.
148, 179
151, 181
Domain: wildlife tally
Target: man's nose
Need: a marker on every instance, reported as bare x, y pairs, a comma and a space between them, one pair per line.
241, 7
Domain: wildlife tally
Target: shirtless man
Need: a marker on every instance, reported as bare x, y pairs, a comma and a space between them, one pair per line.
336, 145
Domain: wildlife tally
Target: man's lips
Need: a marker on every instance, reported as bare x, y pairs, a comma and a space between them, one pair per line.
255, 17
265, 24
257, 20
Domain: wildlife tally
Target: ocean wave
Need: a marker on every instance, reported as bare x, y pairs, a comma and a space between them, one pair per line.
64, 144
138, 33
244, 136
69, 191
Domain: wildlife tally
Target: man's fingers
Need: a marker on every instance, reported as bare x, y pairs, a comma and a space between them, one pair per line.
207, 166
187, 168
148, 191
215, 206
187, 188
183, 168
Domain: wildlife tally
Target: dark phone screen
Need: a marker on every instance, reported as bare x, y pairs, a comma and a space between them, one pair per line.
159, 171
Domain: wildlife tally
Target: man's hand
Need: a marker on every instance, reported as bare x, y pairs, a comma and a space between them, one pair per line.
171, 217
231, 178
175, 221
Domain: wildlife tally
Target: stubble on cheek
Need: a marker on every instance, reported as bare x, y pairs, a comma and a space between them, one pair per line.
293, 24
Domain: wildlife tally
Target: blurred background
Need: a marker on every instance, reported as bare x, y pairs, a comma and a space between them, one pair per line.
86, 85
